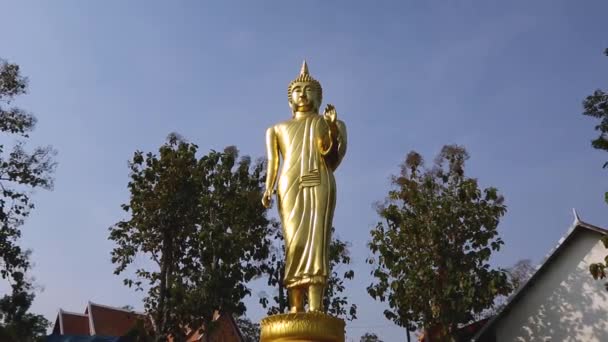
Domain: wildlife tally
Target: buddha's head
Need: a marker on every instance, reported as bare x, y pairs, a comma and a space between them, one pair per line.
305, 93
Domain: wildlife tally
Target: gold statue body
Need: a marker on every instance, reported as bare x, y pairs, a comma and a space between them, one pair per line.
312, 147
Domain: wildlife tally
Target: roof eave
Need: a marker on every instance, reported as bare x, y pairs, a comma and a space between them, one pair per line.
548, 258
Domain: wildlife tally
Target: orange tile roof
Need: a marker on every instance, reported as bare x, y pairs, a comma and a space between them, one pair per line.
71, 323
110, 321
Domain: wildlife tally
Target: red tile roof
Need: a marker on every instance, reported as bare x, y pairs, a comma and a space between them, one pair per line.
110, 321
105, 320
227, 330
97, 320
71, 323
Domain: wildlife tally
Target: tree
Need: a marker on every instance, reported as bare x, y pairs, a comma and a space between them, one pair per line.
20, 172
249, 330
140, 332
334, 302
202, 224
370, 337
431, 252
598, 270
518, 275
274, 268
596, 106
16, 323
128, 308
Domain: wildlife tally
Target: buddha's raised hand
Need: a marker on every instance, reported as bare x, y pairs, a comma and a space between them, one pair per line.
330, 113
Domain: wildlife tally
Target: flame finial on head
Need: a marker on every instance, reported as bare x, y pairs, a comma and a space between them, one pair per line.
304, 69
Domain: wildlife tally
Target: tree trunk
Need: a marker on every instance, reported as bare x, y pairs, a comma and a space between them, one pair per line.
437, 333
283, 300
160, 310
165, 274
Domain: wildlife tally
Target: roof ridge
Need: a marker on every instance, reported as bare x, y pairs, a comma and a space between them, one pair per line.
72, 313
548, 257
91, 321
576, 217
117, 309
579, 222
60, 317
592, 227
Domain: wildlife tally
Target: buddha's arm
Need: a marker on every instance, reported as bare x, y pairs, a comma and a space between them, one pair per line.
335, 148
341, 149
272, 152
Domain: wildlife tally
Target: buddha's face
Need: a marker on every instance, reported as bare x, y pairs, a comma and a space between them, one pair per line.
304, 97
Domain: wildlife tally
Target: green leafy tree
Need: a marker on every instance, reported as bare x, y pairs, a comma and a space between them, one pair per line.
202, 224
16, 323
598, 270
518, 275
274, 269
431, 251
141, 332
596, 106
249, 330
20, 172
334, 302
370, 337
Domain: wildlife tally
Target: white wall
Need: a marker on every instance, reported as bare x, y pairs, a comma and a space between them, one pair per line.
564, 303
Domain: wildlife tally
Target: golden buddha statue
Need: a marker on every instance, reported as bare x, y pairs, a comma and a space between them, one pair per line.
311, 146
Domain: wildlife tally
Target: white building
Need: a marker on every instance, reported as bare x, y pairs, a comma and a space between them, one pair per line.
561, 301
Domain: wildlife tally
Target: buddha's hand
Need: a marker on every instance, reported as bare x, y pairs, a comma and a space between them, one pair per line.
267, 199
330, 114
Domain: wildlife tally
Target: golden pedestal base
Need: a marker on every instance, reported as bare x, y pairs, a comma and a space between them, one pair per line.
302, 327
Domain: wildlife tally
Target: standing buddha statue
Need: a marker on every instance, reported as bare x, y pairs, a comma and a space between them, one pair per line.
311, 146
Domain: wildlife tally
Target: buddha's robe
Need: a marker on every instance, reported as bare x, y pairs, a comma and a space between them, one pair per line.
311, 152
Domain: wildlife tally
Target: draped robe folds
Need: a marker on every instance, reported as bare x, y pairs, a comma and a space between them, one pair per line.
307, 194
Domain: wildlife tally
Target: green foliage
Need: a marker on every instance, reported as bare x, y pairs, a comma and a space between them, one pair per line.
518, 275
249, 330
334, 302
20, 172
370, 337
139, 333
598, 270
202, 223
596, 106
431, 252
16, 323
274, 269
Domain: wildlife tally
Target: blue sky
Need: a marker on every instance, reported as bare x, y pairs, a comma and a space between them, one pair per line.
505, 79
